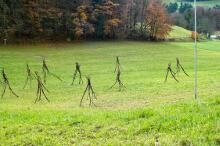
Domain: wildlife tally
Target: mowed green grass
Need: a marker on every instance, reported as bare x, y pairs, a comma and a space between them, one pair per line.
146, 109
207, 3
180, 33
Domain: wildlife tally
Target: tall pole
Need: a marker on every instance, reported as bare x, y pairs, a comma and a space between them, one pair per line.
196, 54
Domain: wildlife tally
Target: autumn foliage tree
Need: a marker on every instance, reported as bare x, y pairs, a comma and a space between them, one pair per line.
111, 27
112, 23
31, 8
82, 21
158, 23
195, 34
50, 20
110, 12
4, 9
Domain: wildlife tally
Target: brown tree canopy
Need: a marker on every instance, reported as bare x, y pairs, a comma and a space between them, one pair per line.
82, 19
158, 23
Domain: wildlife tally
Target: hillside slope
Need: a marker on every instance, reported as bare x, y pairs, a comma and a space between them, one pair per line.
179, 32
204, 3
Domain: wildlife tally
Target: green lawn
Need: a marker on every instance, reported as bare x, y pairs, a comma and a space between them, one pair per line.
146, 109
207, 3
180, 33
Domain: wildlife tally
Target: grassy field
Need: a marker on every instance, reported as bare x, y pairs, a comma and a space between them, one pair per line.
209, 3
203, 3
148, 108
180, 33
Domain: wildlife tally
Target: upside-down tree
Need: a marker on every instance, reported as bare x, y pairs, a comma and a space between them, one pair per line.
158, 24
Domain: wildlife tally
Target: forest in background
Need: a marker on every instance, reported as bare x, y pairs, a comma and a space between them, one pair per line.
208, 18
99, 19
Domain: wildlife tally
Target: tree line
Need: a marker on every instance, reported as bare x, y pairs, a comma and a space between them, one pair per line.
182, 15
83, 19
27, 20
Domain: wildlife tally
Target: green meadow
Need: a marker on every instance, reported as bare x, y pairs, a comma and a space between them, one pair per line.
145, 111
207, 3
